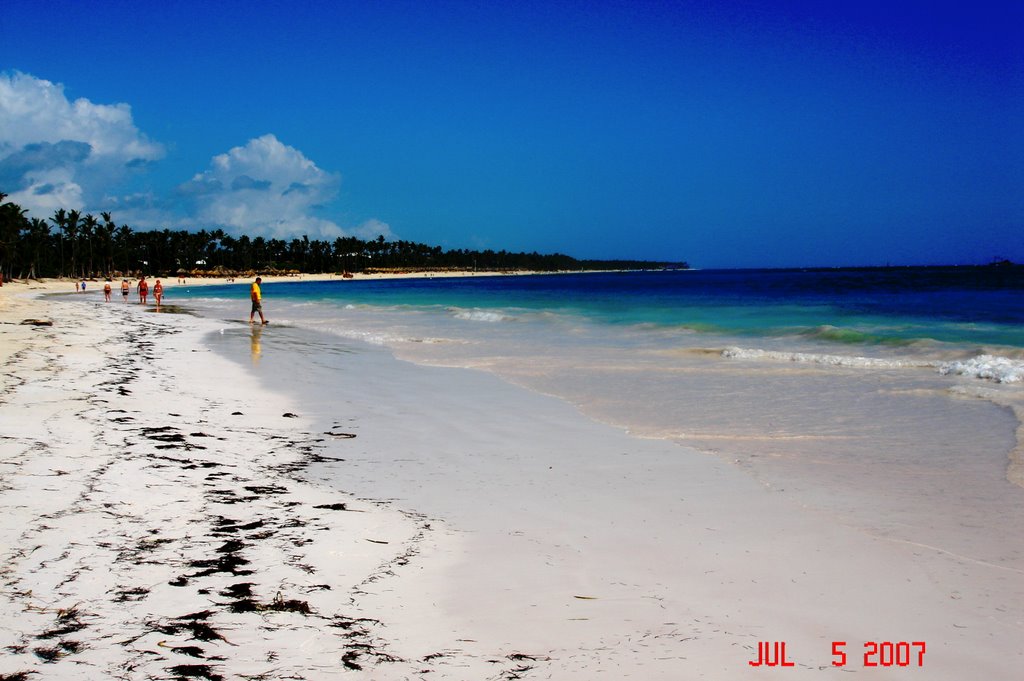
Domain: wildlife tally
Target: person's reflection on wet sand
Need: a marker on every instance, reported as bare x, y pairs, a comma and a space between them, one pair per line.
255, 345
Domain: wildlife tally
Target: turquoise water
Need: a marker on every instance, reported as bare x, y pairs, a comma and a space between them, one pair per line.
698, 356
976, 306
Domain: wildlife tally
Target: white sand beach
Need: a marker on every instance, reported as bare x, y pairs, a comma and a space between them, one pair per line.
178, 505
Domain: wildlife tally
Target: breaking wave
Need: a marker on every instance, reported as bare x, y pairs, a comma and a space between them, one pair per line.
988, 367
831, 360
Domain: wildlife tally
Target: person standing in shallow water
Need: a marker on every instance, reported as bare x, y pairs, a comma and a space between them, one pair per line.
125, 288
143, 288
256, 295
158, 292
106, 291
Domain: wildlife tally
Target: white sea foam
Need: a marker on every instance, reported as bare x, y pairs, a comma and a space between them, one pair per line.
371, 337
998, 369
383, 338
988, 367
481, 316
831, 360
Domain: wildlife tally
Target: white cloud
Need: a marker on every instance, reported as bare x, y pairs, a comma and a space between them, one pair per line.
267, 188
371, 229
55, 153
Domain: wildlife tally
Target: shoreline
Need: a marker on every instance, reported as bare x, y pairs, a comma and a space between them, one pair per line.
580, 533
633, 557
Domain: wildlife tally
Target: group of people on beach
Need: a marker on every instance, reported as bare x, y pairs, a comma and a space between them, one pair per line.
142, 288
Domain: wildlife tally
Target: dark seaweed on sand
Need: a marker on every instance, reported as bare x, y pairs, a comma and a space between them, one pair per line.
267, 489
194, 671
240, 590
58, 651
224, 525
229, 563
68, 622
231, 546
333, 507
48, 654
134, 594
190, 624
245, 602
349, 660
165, 433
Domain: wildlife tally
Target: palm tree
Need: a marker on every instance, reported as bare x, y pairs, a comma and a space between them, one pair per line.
60, 219
123, 240
278, 252
259, 250
71, 230
37, 235
214, 247
12, 219
244, 253
106, 234
89, 225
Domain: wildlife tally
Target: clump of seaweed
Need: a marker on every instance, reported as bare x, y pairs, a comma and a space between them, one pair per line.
229, 562
68, 622
194, 671
333, 507
267, 489
247, 603
224, 525
193, 625
349, 660
240, 590
134, 594
62, 649
16, 676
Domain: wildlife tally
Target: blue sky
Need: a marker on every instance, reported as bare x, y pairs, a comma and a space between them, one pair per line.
728, 134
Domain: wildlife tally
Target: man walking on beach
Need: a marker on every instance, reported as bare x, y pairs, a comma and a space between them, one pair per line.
257, 301
143, 289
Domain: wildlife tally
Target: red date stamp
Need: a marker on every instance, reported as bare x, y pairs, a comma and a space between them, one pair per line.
874, 654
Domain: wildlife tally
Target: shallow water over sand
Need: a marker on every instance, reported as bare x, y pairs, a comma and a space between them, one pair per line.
889, 446
883, 435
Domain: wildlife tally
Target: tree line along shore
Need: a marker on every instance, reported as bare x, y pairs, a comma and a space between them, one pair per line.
70, 244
